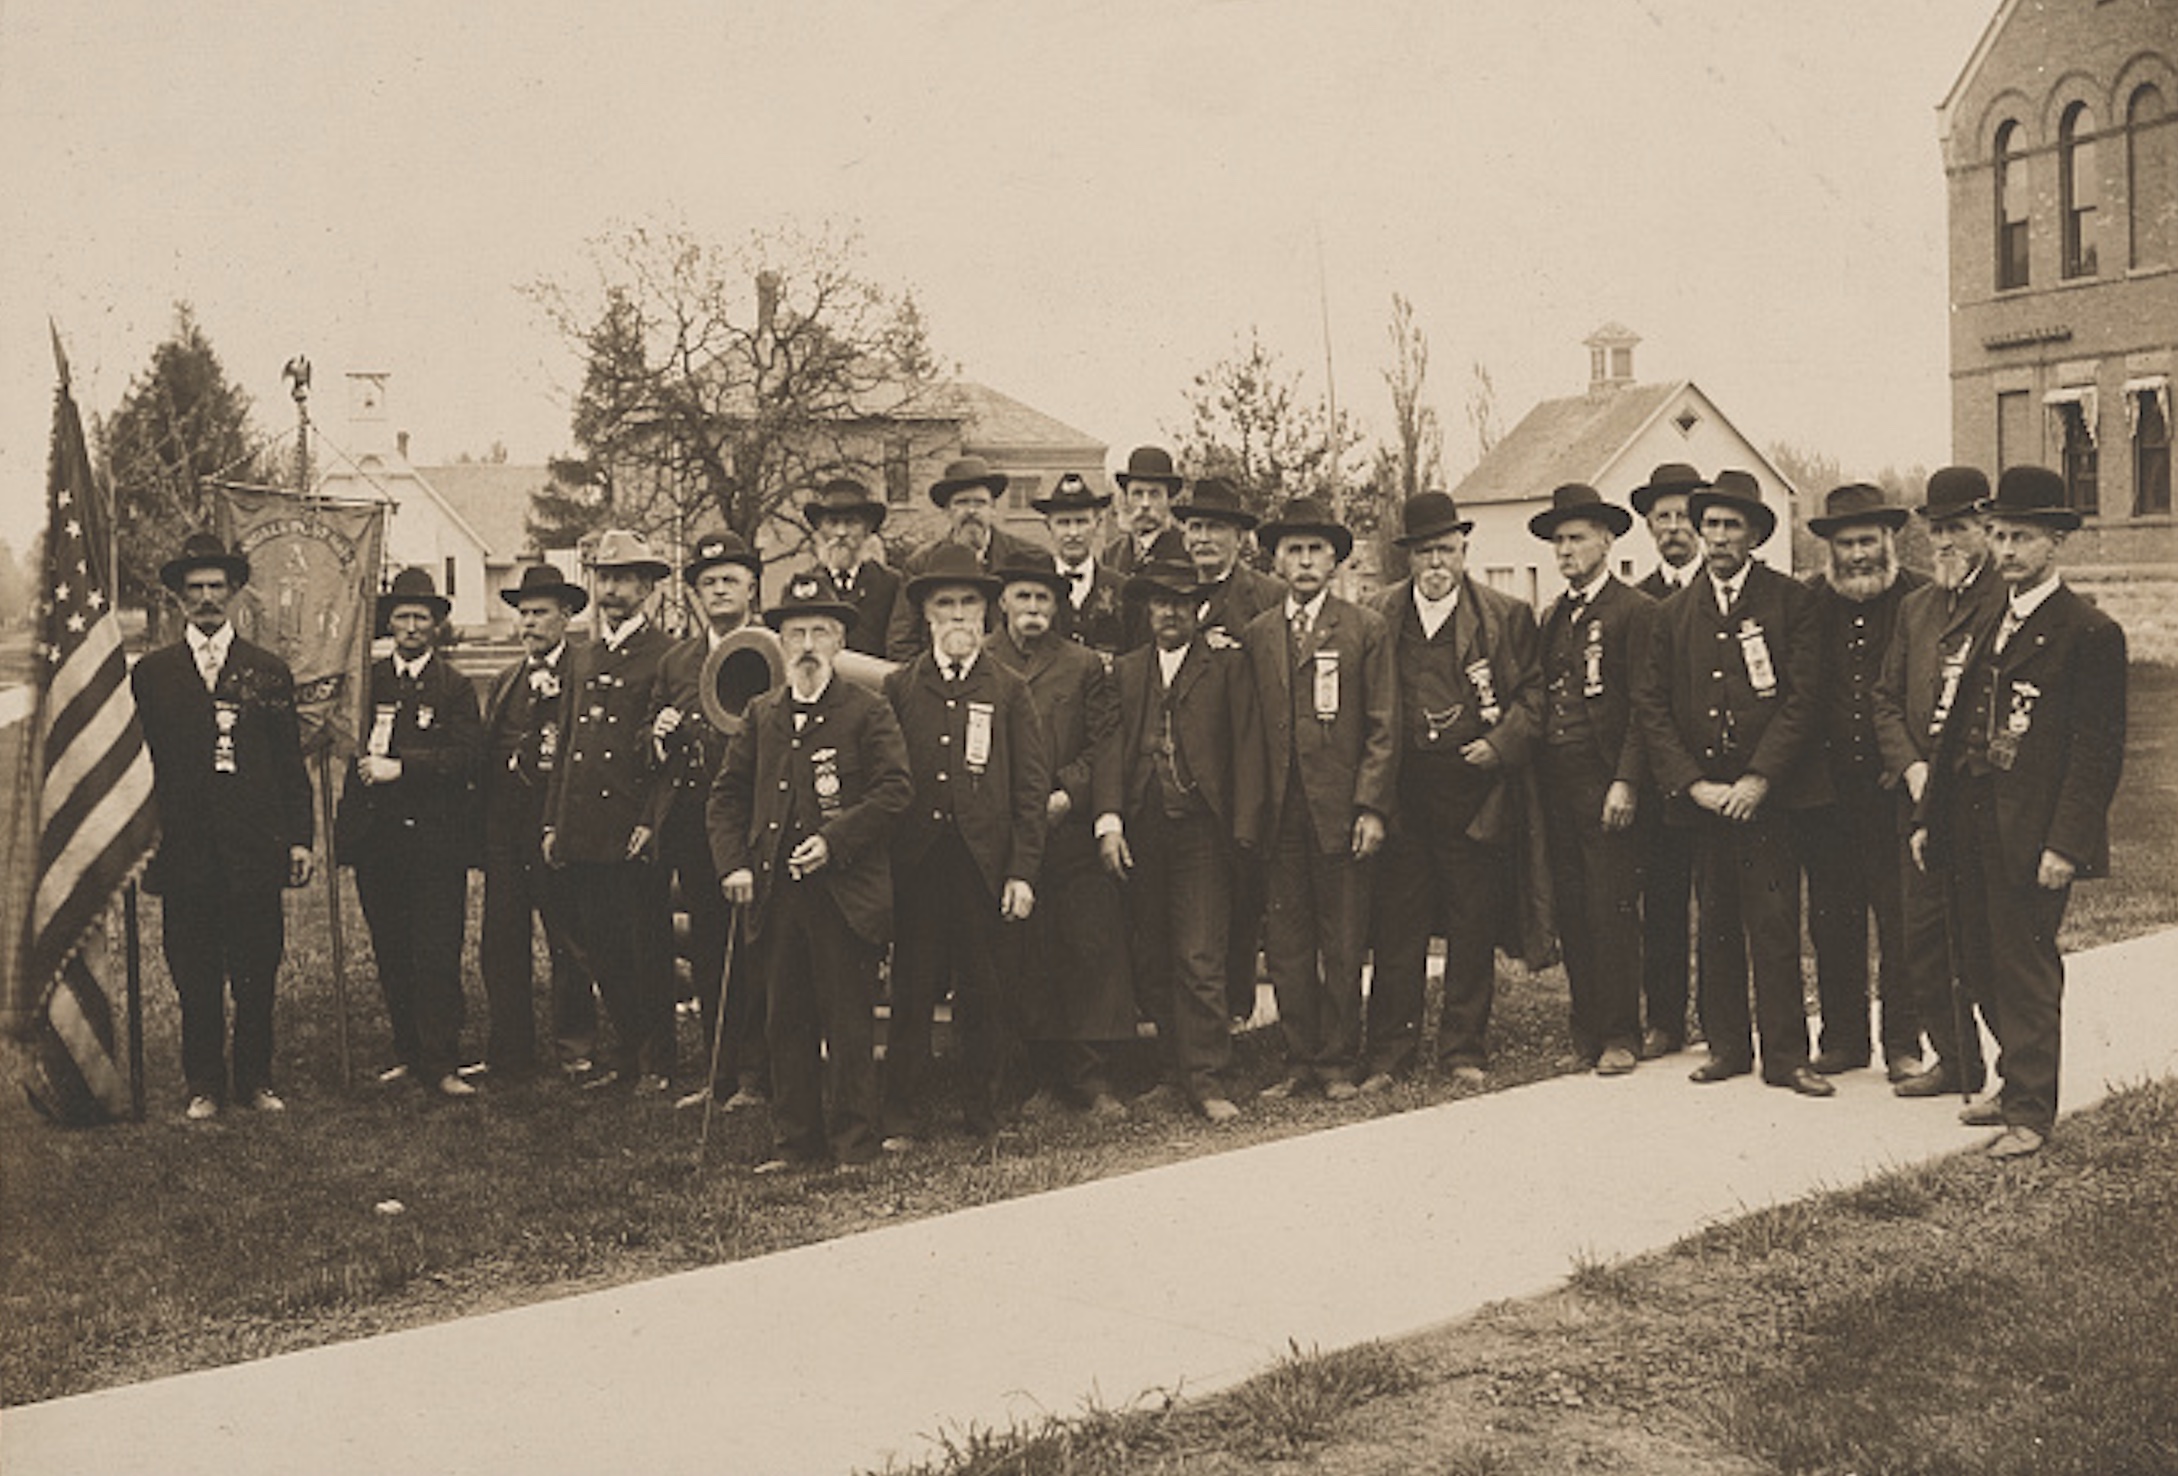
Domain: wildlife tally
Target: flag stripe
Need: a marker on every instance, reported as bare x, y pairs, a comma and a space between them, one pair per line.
84, 664
82, 1026
103, 730
72, 873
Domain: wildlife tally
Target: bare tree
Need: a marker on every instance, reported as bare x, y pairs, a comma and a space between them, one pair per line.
1416, 455
1482, 410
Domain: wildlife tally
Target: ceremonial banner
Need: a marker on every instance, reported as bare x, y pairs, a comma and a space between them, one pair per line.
312, 590
84, 792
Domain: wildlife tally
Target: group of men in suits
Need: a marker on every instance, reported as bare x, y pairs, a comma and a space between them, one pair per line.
1083, 795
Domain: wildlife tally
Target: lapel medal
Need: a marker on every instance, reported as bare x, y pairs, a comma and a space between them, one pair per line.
2004, 746
1592, 661
1756, 651
825, 761
224, 715
1326, 685
424, 715
1478, 677
380, 742
1954, 671
976, 752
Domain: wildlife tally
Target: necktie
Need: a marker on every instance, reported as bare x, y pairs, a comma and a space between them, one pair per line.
952, 672
2008, 629
1301, 624
208, 665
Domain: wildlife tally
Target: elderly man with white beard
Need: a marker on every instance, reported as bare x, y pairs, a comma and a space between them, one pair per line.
968, 495
1848, 847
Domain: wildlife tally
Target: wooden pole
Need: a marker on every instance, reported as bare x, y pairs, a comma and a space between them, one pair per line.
133, 942
332, 915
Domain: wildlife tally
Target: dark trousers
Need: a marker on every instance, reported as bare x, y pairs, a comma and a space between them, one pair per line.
1750, 910
1927, 964
1432, 875
416, 900
1849, 851
520, 892
1595, 878
1244, 933
2010, 929
1667, 886
1178, 908
1316, 922
822, 992
624, 930
220, 938
743, 1058
947, 926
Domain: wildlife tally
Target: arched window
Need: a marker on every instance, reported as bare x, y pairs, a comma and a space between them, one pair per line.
2151, 179
2076, 189
2011, 209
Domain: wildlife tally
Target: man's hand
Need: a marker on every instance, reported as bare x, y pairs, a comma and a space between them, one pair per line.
1058, 807
1220, 639
2055, 873
1744, 797
1917, 847
1018, 902
1118, 857
1618, 805
548, 846
1708, 794
639, 843
738, 887
299, 866
1916, 780
1368, 834
666, 723
1479, 754
377, 770
809, 856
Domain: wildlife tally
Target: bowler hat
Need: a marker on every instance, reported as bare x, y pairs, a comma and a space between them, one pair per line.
1172, 579
1667, 478
713, 549
969, 471
1306, 516
806, 594
1033, 567
1954, 491
1218, 500
543, 579
951, 563
1579, 500
1428, 515
844, 495
1856, 502
204, 551
622, 548
2032, 494
1149, 464
1073, 494
1740, 492
412, 586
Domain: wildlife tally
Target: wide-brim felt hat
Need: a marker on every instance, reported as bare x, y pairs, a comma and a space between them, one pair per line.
714, 549
1174, 579
1307, 516
412, 586
622, 548
1667, 478
1218, 500
1073, 494
1428, 515
1740, 492
969, 471
1578, 500
2032, 494
1856, 502
951, 563
806, 594
1954, 491
543, 579
204, 551
1033, 568
844, 495
1149, 464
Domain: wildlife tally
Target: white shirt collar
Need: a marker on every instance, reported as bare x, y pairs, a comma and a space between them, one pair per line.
1676, 578
1434, 613
1314, 607
218, 642
1168, 662
552, 657
1576, 594
946, 663
403, 667
2025, 604
615, 639
1728, 589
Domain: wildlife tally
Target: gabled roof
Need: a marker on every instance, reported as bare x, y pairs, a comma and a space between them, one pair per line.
995, 421
1972, 68
1568, 440
492, 498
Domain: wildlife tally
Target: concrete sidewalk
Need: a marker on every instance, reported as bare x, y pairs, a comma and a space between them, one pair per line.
1193, 1275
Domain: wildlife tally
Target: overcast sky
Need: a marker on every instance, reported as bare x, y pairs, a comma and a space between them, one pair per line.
1093, 199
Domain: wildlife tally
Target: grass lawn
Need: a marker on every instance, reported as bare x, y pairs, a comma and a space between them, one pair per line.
145, 1250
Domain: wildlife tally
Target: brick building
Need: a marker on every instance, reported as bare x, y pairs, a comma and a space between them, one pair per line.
2060, 147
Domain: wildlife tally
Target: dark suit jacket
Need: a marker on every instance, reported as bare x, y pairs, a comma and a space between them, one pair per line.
438, 737
873, 590
512, 795
1855, 634
236, 827
1350, 763
1487, 625
1101, 623
2070, 657
999, 812
1624, 618
1697, 724
607, 782
768, 766
1240, 596
1652, 583
907, 637
1217, 723
693, 753
1079, 708
1932, 628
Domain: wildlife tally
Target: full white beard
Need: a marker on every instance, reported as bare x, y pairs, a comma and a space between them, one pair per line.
1860, 588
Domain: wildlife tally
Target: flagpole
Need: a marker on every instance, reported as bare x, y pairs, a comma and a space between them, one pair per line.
132, 937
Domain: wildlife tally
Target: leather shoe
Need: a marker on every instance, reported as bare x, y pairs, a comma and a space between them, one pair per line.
1473, 1077
1617, 1061
1374, 1082
1656, 1043
1716, 1068
1106, 1106
1987, 1113
1902, 1068
1159, 1098
1934, 1082
2017, 1141
1217, 1109
1340, 1090
1837, 1063
1808, 1083
201, 1109
1284, 1087
451, 1085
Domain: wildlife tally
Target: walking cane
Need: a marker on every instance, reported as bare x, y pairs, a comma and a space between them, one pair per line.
1962, 1015
718, 1034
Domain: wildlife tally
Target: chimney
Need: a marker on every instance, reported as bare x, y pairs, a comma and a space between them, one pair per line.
767, 301
1610, 358
400, 444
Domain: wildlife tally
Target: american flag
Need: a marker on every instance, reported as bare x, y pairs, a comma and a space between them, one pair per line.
91, 788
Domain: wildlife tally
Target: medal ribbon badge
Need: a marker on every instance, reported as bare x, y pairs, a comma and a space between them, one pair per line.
1755, 649
1478, 677
1326, 686
1592, 661
976, 750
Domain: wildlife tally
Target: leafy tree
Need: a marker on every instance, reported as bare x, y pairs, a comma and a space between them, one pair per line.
718, 382
1249, 420
15, 588
182, 426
